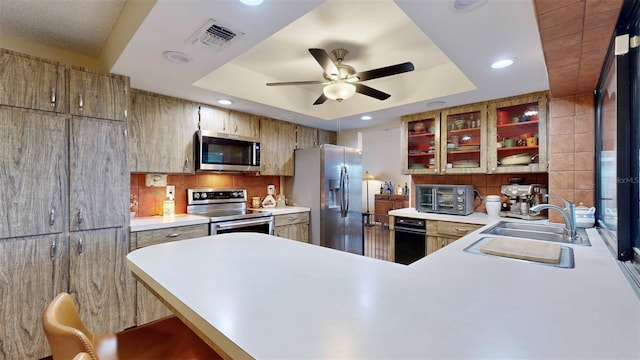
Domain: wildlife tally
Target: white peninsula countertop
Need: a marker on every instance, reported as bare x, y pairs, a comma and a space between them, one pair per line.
266, 297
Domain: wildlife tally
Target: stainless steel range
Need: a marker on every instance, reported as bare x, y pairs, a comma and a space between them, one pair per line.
227, 211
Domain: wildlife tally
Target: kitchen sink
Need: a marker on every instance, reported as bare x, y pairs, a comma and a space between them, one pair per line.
554, 233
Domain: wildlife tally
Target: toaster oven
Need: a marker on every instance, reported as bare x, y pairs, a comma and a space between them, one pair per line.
445, 199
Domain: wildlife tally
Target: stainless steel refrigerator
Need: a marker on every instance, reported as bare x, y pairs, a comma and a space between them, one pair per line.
328, 180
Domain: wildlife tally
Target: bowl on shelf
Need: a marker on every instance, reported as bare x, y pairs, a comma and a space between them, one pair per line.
459, 124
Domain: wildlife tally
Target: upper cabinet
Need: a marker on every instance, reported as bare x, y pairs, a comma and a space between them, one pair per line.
98, 95
463, 133
278, 142
31, 83
500, 136
306, 137
229, 122
327, 137
161, 130
518, 134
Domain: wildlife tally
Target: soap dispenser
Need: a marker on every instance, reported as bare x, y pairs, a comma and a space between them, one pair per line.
169, 206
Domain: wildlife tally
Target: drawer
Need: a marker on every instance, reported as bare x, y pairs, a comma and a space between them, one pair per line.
159, 236
456, 229
289, 219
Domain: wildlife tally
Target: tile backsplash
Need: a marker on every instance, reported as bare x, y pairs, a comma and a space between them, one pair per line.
150, 198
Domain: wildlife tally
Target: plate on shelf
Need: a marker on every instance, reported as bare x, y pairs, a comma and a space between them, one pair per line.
468, 147
466, 164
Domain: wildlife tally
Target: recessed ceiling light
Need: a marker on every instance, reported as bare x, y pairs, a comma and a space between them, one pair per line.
251, 2
225, 102
503, 63
366, 117
435, 104
176, 57
461, 6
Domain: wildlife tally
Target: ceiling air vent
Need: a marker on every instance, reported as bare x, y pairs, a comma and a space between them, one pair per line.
214, 36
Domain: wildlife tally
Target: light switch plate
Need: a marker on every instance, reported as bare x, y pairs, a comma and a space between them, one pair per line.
155, 180
171, 191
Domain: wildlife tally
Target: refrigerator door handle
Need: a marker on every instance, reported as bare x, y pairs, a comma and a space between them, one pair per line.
344, 192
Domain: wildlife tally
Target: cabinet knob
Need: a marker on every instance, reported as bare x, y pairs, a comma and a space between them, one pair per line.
80, 102
53, 97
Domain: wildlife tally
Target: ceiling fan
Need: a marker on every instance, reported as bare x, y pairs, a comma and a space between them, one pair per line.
342, 80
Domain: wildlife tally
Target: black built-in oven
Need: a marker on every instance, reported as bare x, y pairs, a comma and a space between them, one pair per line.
410, 239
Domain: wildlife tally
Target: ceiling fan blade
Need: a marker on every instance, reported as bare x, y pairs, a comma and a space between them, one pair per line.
369, 91
385, 71
312, 82
325, 61
321, 100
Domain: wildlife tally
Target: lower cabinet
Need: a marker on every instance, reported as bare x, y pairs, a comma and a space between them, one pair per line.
100, 280
293, 226
148, 307
387, 202
443, 233
29, 280
90, 265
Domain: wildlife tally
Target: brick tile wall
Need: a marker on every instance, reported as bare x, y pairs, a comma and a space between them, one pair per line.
150, 198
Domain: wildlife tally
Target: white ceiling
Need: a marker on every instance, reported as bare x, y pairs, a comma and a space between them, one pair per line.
451, 50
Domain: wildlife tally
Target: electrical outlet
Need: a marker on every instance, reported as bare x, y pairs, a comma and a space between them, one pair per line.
171, 191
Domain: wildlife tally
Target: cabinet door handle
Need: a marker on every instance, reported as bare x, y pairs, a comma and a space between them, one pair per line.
174, 235
80, 216
80, 102
462, 230
442, 244
52, 217
53, 250
53, 97
80, 244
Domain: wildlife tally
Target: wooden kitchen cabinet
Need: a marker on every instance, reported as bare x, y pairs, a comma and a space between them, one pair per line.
100, 280
31, 274
464, 139
229, 122
161, 130
32, 83
98, 95
518, 118
306, 137
383, 203
148, 307
442, 233
278, 142
33, 179
327, 137
99, 174
292, 226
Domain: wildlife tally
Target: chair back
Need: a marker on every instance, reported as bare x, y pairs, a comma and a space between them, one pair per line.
65, 331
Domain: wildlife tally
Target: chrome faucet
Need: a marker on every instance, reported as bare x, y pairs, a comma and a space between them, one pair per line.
568, 213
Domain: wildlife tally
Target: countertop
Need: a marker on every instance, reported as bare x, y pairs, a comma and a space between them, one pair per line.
159, 222
269, 297
473, 218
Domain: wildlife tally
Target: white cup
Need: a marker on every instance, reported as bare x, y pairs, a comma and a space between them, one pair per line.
493, 205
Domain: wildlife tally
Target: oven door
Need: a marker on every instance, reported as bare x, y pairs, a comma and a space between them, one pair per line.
262, 225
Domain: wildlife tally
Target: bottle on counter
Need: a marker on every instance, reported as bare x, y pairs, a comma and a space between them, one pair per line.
381, 189
406, 189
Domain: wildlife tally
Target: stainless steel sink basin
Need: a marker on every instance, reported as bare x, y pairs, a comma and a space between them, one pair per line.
554, 233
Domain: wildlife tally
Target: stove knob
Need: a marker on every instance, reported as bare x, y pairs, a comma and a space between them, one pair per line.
196, 195
204, 195
235, 194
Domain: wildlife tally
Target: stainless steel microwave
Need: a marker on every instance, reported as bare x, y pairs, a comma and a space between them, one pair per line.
445, 199
225, 152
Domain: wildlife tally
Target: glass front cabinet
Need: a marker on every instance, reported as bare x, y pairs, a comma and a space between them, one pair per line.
518, 134
501, 136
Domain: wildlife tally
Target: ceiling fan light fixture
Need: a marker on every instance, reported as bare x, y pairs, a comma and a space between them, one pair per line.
339, 91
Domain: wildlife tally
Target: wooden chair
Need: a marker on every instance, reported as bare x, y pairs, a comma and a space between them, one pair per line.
166, 338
